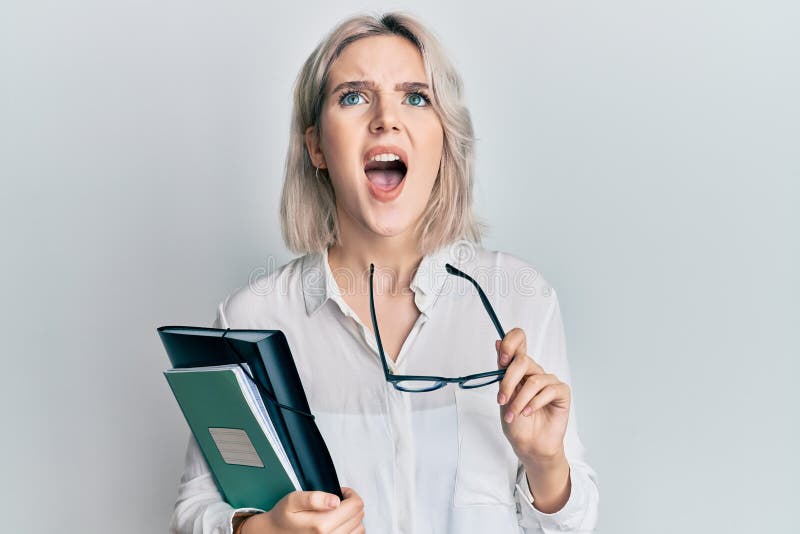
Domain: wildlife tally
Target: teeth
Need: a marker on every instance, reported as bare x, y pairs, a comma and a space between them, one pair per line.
385, 157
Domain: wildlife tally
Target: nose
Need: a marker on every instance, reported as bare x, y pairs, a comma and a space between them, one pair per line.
385, 117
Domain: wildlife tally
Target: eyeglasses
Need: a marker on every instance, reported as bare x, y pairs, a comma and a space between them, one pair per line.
420, 384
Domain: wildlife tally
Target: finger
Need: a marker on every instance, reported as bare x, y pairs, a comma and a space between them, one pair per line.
520, 367
350, 524
347, 516
511, 344
556, 394
348, 493
312, 501
352, 501
351, 494
533, 363
533, 384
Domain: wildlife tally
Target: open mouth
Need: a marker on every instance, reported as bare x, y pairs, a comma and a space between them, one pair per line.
385, 175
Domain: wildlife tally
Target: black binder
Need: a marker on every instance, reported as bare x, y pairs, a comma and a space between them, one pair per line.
268, 356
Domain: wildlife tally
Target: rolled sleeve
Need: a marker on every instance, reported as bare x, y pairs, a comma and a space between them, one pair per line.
580, 513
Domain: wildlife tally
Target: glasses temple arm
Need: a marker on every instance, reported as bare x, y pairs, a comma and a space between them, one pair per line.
375, 322
484, 299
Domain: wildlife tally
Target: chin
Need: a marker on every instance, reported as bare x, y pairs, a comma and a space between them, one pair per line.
389, 232
389, 228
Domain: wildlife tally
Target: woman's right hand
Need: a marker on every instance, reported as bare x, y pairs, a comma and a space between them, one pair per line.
310, 512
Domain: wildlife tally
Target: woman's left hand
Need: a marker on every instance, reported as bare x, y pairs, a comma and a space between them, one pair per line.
534, 405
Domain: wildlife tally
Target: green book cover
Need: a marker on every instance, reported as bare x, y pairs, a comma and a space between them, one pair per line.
246, 467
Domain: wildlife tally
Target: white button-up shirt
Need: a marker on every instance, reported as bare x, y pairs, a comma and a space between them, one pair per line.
424, 463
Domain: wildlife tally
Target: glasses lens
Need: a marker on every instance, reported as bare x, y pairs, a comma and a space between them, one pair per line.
478, 382
418, 385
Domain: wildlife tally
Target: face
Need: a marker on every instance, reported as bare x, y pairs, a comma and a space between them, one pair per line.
387, 112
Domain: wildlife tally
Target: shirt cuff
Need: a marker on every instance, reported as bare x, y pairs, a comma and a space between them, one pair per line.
245, 511
568, 518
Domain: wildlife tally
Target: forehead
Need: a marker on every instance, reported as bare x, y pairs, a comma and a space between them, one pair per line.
381, 58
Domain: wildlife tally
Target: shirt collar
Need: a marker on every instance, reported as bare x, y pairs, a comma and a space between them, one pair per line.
319, 285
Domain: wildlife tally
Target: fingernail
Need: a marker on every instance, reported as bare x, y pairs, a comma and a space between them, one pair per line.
504, 358
333, 501
509, 417
526, 411
501, 398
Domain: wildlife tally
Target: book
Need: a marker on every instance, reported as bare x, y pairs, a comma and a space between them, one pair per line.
268, 360
228, 418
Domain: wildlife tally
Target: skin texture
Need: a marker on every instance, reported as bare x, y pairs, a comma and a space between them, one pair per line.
310, 512
371, 230
534, 408
382, 233
369, 118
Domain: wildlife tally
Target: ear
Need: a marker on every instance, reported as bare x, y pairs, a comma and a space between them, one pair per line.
313, 146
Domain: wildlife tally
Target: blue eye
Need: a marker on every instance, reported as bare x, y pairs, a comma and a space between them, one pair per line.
421, 98
347, 100
417, 99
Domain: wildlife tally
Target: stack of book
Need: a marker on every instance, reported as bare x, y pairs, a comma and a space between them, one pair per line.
242, 397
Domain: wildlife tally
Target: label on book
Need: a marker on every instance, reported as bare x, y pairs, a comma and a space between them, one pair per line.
235, 447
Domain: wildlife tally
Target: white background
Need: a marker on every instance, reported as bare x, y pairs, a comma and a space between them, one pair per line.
642, 155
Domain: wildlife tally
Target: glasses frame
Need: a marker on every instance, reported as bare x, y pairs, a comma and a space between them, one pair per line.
441, 381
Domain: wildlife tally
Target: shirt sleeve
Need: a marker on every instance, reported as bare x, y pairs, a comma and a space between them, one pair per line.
200, 507
580, 513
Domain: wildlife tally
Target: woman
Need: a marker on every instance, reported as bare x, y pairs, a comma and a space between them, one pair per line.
379, 171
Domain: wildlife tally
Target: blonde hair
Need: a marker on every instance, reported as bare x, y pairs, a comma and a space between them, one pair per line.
308, 204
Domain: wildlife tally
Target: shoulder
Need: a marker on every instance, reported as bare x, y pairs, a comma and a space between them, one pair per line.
511, 274
266, 296
526, 299
516, 286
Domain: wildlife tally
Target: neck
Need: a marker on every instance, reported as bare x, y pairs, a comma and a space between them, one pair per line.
396, 260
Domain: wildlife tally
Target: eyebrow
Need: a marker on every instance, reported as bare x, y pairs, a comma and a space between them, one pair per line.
370, 85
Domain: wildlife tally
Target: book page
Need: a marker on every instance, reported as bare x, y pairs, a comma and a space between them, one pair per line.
262, 416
